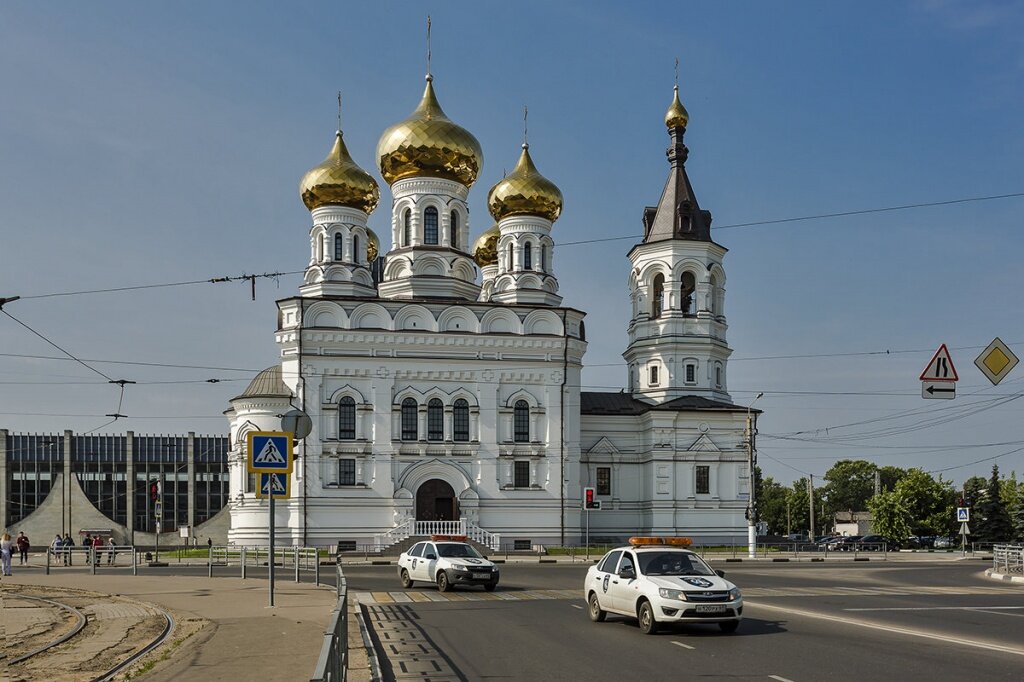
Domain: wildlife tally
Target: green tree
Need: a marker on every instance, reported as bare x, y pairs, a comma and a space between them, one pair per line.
850, 484
772, 498
992, 523
890, 517
928, 502
800, 510
890, 476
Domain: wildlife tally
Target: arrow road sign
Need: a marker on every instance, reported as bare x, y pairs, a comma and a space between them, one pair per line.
941, 391
941, 367
269, 452
963, 514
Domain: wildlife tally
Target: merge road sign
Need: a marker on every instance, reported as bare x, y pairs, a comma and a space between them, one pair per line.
269, 452
275, 485
996, 361
941, 367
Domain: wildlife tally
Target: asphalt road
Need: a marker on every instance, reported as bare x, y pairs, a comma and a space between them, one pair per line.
803, 622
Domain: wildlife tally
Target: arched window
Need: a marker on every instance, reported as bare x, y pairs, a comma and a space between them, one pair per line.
355, 249
409, 419
430, 225
339, 247
686, 293
654, 376
460, 421
435, 420
713, 303
658, 297
691, 373
407, 228
508, 264
527, 257
718, 375
543, 257
521, 422
454, 241
347, 419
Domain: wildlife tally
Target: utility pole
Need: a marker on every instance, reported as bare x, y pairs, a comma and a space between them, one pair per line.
810, 495
878, 482
751, 501
789, 518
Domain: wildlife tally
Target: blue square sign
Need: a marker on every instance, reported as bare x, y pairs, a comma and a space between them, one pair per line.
274, 485
269, 452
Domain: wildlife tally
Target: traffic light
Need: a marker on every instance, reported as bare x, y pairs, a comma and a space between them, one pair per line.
588, 499
154, 490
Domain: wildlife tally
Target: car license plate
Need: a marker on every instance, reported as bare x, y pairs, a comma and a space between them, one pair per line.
481, 576
710, 608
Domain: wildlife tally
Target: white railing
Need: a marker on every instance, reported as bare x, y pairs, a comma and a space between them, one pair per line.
484, 537
1008, 559
441, 527
395, 535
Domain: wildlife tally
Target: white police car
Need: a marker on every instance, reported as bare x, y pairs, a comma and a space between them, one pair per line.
446, 560
657, 581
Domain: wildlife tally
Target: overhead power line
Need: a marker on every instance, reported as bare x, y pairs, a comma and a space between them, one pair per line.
213, 280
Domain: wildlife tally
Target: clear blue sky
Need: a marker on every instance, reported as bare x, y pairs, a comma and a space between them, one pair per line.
146, 144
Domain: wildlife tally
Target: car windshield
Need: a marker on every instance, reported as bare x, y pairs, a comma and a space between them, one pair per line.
453, 550
672, 563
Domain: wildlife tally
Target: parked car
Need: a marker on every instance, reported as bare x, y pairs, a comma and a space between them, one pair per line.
872, 543
844, 543
945, 542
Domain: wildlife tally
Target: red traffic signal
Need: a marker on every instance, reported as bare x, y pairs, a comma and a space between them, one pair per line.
154, 490
589, 502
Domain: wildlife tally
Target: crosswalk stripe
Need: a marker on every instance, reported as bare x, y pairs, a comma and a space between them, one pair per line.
382, 598
400, 597
418, 596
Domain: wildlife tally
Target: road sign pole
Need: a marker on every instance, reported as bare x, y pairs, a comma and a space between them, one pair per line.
270, 558
587, 539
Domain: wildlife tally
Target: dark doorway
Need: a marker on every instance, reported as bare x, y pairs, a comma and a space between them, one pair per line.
436, 501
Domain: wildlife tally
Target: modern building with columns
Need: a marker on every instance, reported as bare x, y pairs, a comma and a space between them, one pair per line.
443, 376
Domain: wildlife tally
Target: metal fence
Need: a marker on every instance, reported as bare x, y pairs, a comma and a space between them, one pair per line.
1008, 559
245, 557
93, 558
332, 665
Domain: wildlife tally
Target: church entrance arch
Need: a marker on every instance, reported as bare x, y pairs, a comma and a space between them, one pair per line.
436, 501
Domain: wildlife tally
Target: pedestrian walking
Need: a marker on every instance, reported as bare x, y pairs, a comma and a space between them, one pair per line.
111, 551
23, 547
55, 547
6, 548
68, 545
86, 545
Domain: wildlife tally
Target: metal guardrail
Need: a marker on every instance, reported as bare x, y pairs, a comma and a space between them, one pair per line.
332, 665
1008, 559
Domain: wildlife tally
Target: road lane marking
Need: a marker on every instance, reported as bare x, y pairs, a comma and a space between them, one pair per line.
939, 608
997, 613
685, 646
780, 679
951, 639
576, 606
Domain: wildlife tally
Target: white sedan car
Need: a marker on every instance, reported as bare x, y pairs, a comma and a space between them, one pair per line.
660, 584
446, 563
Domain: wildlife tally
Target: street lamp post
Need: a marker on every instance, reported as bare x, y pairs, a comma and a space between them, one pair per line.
751, 501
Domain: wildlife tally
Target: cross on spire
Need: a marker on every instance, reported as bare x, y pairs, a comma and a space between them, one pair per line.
429, 76
526, 140
677, 72
339, 111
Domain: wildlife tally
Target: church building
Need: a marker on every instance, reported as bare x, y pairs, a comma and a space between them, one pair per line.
443, 376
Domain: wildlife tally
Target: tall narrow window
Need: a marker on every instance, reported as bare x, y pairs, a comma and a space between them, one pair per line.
347, 419
409, 419
543, 257
714, 300
654, 375
435, 420
703, 479
658, 298
407, 228
527, 257
346, 472
460, 421
691, 373
521, 422
430, 225
355, 249
686, 294
521, 475
604, 481
339, 247
508, 264
455, 230
718, 376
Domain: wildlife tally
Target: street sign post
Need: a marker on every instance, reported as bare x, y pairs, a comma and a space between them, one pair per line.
964, 532
270, 454
996, 361
938, 391
963, 514
938, 380
274, 485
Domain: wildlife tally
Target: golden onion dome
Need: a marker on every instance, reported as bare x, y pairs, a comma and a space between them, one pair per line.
485, 248
525, 191
676, 116
339, 181
372, 245
428, 144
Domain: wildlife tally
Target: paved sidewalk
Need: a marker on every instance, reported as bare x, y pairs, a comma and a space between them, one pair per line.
245, 638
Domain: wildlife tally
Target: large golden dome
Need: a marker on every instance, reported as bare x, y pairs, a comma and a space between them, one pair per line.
676, 116
525, 191
429, 144
338, 180
485, 248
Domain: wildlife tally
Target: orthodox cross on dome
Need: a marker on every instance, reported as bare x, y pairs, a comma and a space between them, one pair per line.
677, 72
526, 141
339, 111
429, 76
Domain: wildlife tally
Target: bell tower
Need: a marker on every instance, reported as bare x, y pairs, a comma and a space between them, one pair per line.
677, 345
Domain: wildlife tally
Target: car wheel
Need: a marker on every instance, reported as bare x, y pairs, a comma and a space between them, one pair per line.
491, 585
729, 626
597, 614
442, 582
406, 581
645, 615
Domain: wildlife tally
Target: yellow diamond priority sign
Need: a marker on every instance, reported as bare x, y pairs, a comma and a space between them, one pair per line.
996, 361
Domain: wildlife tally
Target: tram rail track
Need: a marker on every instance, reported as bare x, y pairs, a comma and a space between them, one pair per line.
79, 626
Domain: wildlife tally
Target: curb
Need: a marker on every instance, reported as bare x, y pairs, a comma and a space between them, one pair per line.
1003, 577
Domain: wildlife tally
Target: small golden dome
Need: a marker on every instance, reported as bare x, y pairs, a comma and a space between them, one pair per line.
372, 245
676, 116
429, 144
485, 248
339, 180
525, 191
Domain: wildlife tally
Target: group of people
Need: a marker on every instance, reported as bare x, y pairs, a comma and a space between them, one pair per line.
61, 548
7, 547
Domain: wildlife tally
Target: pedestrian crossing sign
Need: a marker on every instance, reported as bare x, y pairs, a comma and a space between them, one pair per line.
275, 485
269, 452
